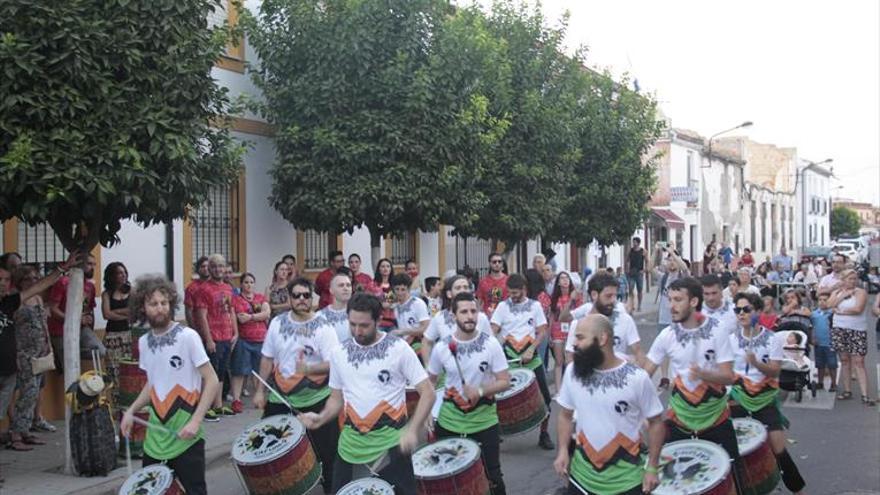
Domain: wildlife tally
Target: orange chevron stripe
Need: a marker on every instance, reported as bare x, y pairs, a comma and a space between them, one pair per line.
519, 345
754, 388
599, 457
365, 424
455, 396
163, 406
695, 396
286, 385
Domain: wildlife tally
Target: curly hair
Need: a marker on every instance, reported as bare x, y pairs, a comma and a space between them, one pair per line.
144, 287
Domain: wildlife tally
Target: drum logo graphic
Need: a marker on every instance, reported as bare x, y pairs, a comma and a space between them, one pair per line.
621, 407
484, 366
267, 440
688, 470
710, 356
384, 376
176, 362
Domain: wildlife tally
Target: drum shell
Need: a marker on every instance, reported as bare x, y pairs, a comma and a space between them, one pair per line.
467, 477
132, 379
761, 471
522, 411
470, 481
293, 473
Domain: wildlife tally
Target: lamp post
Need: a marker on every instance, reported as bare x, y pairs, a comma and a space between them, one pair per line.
799, 178
747, 123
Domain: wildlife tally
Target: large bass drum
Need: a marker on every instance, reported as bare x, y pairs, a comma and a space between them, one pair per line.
451, 466
694, 467
521, 407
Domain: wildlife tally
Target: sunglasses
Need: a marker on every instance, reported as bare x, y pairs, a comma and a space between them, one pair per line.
496, 261
744, 309
300, 295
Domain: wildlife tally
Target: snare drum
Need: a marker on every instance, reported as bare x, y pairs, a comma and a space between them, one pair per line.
521, 408
761, 471
157, 479
274, 456
451, 466
694, 467
367, 486
137, 436
412, 400
132, 379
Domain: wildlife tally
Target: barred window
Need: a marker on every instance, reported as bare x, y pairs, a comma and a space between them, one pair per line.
215, 226
403, 248
316, 249
38, 244
472, 252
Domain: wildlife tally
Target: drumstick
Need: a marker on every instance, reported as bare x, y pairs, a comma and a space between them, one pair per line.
377, 466
152, 425
283, 400
128, 455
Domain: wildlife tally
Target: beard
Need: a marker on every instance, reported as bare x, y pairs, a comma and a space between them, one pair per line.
160, 322
587, 359
603, 309
468, 327
683, 316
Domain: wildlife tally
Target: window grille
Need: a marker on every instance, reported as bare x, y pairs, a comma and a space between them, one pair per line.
215, 226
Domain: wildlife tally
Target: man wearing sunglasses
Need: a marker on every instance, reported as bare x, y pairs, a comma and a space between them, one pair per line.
493, 288
296, 355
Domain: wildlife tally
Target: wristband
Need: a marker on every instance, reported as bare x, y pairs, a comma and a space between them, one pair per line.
651, 469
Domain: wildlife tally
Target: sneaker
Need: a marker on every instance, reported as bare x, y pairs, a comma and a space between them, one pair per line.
41, 424
832, 388
544, 441
237, 407
211, 416
226, 411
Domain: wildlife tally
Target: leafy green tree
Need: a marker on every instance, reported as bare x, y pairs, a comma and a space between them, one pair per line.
381, 111
844, 221
107, 113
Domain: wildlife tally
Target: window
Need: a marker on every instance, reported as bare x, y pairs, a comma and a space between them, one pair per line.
215, 226
763, 226
403, 247
316, 249
474, 253
754, 214
38, 244
691, 173
790, 227
233, 58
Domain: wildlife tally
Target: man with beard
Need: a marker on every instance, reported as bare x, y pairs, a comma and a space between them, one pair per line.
57, 304
699, 352
443, 324
368, 375
296, 352
189, 294
493, 288
603, 291
521, 325
181, 385
335, 314
322, 283
476, 370
714, 305
613, 398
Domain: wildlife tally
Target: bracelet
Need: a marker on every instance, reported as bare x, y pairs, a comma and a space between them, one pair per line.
651, 469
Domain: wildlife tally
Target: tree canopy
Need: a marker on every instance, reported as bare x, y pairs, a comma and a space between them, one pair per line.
844, 221
108, 112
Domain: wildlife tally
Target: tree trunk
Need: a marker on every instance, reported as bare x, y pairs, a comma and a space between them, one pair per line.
72, 320
375, 253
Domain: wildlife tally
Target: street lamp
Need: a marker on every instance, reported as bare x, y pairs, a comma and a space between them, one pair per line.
747, 123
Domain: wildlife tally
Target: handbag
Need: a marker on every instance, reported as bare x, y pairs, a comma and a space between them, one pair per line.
45, 363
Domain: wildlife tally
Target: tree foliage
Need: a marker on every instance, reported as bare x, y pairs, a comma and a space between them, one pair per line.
381, 116
844, 221
108, 112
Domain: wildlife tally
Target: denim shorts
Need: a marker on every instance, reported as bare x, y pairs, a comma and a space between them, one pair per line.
220, 358
246, 357
825, 357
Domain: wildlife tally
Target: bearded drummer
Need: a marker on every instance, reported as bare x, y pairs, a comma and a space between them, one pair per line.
296, 354
468, 408
368, 376
699, 351
758, 358
179, 375
614, 397
521, 325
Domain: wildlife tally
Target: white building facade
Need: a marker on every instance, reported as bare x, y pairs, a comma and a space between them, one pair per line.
814, 204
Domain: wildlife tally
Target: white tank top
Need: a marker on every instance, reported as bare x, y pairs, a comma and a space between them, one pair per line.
852, 322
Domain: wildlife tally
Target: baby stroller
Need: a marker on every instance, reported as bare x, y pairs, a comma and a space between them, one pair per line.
797, 371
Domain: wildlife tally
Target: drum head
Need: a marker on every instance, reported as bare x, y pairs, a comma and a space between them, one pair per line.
750, 434
151, 480
267, 440
367, 486
445, 458
520, 378
691, 466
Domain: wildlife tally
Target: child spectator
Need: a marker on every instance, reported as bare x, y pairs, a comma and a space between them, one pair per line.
768, 317
794, 349
623, 287
826, 358
432, 291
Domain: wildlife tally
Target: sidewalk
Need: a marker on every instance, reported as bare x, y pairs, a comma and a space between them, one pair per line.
40, 471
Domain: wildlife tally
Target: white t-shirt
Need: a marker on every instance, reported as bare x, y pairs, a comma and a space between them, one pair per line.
518, 321
443, 325
808, 279
724, 314
288, 339
585, 308
707, 346
480, 358
767, 346
411, 313
373, 378
829, 281
172, 360
338, 319
626, 333
608, 404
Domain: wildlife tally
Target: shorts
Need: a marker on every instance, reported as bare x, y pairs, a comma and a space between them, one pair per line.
246, 357
556, 333
825, 357
636, 280
220, 358
769, 416
848, 341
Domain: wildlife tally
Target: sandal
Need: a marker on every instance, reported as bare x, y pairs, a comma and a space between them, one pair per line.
19, 446
868, 402
32, 440
844, 396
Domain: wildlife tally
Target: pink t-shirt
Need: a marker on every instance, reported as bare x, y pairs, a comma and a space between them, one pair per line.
58, 294
216, 297
252, 331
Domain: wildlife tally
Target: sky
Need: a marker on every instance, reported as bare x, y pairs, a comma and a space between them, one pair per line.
806, 72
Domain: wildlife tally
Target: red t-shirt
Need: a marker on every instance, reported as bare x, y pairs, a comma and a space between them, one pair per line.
768, 320
189, 294
322, 287
492, 291
216, 297
58, 294
747, 260
365, 282
252, 331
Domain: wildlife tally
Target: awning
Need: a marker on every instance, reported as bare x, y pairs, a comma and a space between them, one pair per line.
671, 220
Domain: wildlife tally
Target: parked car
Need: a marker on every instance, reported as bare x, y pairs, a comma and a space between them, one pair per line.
847, 249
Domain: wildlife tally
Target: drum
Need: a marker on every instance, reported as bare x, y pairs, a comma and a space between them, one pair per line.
274, 456
521, 408
761, 471
136, 332
451, 466
412, 400
157, 479
132, 380
367, 486
136, 436
694, 467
